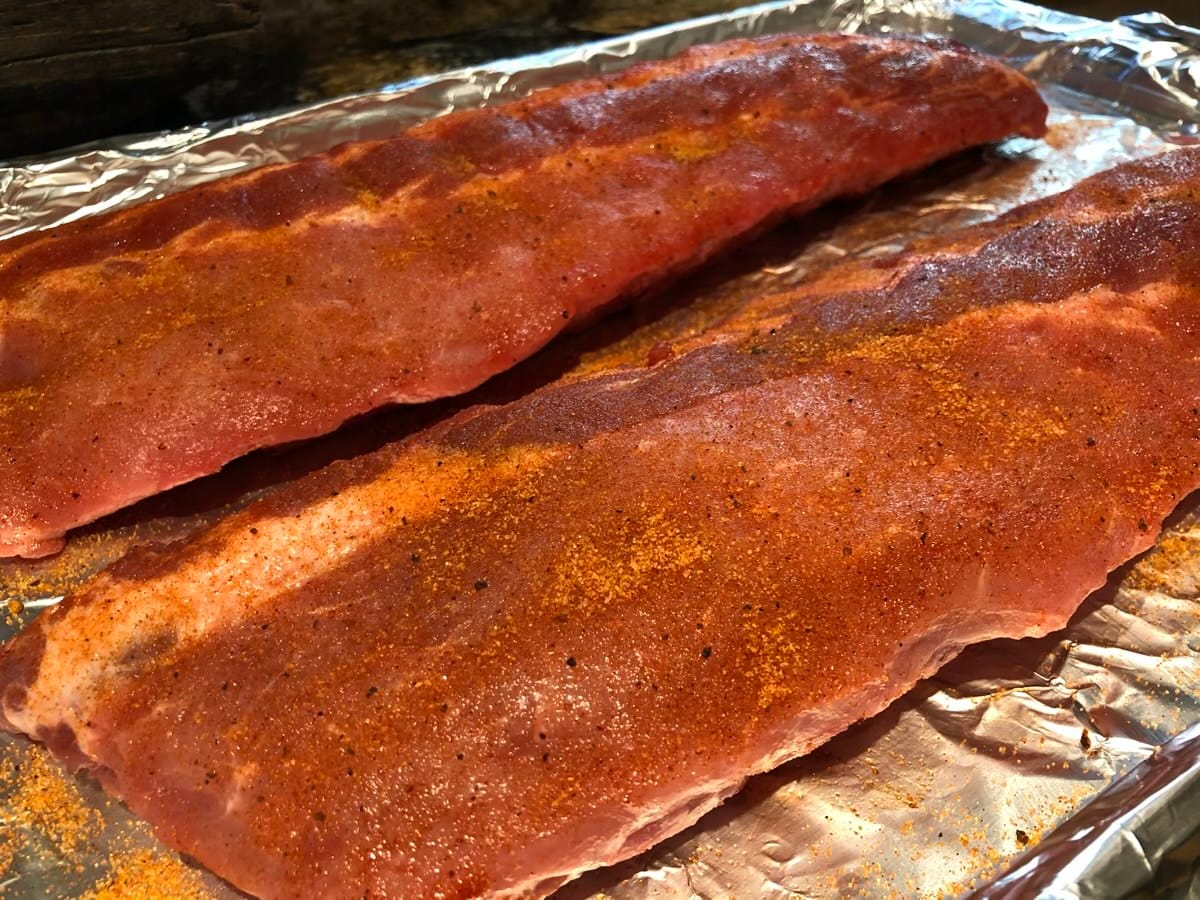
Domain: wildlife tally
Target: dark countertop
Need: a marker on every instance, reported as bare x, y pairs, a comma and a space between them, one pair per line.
73, 72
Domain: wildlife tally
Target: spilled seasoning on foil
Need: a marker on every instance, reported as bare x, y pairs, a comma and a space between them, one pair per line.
78, 849
46, 803
147, 875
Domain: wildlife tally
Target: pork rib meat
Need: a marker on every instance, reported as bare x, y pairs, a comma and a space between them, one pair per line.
541, 636
149, 347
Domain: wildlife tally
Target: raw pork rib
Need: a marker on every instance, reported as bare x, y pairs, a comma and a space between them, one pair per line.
147, 348
539, 637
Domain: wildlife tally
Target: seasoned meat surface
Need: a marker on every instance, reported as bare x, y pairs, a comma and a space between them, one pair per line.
538, 637
146, 348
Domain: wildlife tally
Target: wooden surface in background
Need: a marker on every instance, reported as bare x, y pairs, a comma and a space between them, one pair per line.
70, 71
74, 71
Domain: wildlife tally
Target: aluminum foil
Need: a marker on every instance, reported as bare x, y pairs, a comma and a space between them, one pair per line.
966, 777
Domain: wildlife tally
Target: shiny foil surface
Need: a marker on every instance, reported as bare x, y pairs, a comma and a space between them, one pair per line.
1066, 766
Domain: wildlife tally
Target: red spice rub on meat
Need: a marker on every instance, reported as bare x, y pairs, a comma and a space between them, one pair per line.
149, 347
541, 636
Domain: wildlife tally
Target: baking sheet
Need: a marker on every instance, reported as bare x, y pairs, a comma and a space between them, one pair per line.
973, 768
